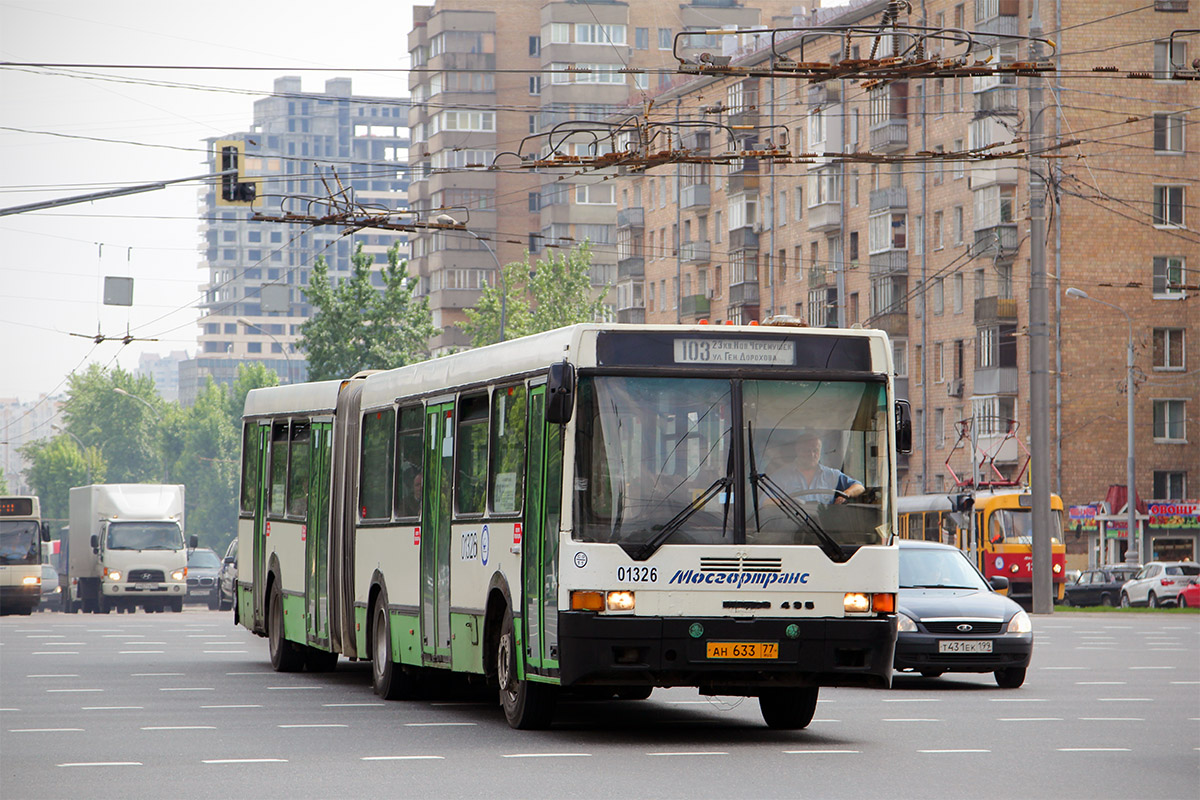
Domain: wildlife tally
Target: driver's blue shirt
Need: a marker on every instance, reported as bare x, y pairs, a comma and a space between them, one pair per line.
825, 478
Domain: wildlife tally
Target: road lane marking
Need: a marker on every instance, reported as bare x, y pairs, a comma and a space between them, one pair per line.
73, 690
546, 755
156, 675
912, 719
402, 758
234, 706
1152, 668
355, 705
113, 708
187, 689
180, 728
43, 730
1177, 683
244, 761
695, 753
440, 724
46, 636
314, 725
821, 752
963, 750
102, 764
1030, 719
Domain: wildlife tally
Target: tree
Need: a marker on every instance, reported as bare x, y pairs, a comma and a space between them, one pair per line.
208, 467
356, 326
249, 376
127, 430
554, 292
56, 465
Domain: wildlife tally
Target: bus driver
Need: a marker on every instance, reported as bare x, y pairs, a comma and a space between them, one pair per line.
806, 478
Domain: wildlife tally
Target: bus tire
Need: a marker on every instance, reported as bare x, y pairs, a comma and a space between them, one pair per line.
527, 705
285, 657
388, 679
1010, 677
788, 709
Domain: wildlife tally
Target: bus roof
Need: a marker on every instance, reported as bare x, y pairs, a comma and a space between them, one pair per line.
320, 397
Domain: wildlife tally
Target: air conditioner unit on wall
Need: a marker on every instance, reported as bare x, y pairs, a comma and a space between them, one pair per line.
954, 387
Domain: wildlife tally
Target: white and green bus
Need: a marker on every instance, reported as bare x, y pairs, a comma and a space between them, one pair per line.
22, 533
599, 508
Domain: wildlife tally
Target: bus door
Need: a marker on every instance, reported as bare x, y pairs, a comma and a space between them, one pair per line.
539, 540
258, 560
435, 532
316, 547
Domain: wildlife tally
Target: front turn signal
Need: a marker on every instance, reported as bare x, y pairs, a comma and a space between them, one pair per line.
587, 601
883, 603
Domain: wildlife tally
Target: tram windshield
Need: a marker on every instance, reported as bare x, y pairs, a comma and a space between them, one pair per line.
664, 459
1015, 526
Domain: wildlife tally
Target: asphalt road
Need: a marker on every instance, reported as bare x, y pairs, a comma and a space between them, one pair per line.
186, 705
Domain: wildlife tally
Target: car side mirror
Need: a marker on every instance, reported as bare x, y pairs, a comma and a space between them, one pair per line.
227, 560
999, 583
560, 393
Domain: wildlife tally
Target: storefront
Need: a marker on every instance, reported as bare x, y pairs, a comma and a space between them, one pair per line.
1169, 531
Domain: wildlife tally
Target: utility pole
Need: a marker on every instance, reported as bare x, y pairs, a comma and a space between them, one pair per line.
1039, 345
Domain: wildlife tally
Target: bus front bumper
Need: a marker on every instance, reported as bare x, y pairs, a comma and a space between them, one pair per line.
654, 651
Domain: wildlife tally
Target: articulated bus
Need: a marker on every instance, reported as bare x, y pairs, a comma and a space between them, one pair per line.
1004, 532
589, 510
21, 535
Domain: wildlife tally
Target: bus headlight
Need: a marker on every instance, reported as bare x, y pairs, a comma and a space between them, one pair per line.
31, 580
620, 600
1020, 623
857, 603
178, 574
113, 575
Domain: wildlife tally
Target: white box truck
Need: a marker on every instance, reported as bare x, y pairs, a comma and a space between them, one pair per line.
126, 548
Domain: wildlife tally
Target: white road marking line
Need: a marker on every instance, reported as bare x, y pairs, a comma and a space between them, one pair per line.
402, 758
43, 730
10, 709
440, 724
355, 705
1017, 699
547, 755
1093, 750
51, 676
821, 752
187, 689
102, 764
66, 691
46, 636
1030, 719
246, 705
113, 708
1177, 683
1152, 668
964, 750
1100, 683
141, 652
914, 700
1112, 719
244, 761
55, 653
696, 753
314, 725
180, 728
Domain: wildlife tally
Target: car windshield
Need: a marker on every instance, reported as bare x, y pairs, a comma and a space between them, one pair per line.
1015, 526
18, 541
204, 559
144, 536
935, 568
657, 455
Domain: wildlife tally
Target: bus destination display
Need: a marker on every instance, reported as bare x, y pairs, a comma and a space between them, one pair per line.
776, 352
16, 507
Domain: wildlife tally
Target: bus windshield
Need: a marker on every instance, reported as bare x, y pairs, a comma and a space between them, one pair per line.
18, 541
144, 536
1015, 526
656, 455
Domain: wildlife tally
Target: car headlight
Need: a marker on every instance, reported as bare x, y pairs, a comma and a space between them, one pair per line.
113, 575
905, 623
178, 574
1020, 623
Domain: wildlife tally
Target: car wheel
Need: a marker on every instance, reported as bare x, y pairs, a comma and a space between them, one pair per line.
1182, 601
1067, 602
1153, 601
1125, 600
528, 705
932, 673
1010, 678
1106, 600
788, 709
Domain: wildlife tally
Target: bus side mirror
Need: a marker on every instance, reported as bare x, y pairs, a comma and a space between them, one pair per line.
903, 427
560, 393
45, 531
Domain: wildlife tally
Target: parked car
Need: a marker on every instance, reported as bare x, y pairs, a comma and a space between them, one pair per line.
1098, 587
952, 620
227, 578
51, 591
203, 566
1190, 597
1159, 583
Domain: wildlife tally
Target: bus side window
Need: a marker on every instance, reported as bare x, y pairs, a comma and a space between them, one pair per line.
250, 462
298, 458
375, 481
409, 466
507, 472
470, 457
277, 502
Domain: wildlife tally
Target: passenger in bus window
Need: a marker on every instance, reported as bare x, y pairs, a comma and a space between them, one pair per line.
806, 478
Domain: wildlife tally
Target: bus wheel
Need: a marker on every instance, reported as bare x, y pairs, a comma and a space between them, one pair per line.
527, 705
1010, 678
788, 709
388, 679
284, 655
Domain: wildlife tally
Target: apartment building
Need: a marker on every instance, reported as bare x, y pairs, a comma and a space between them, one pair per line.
495, 81
301, 147
936, 249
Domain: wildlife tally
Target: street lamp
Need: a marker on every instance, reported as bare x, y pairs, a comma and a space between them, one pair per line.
1133, 551
282, 346
82, 449
155, 411
446, 219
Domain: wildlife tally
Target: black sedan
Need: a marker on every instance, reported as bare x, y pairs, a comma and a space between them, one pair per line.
1098, 587
951, 620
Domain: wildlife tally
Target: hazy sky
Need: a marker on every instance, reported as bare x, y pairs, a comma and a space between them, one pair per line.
51, 262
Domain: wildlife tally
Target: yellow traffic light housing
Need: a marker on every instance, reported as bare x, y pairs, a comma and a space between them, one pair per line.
234, 189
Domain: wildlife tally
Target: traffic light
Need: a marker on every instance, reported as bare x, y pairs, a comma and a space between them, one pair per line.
235, 189
963, 502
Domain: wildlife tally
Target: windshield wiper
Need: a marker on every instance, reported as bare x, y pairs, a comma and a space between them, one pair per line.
798, 515
648, 548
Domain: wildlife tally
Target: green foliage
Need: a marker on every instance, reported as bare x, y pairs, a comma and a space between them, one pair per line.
127, 430
208, 468
355, 326
55, 466
554, 292
249, 376
3, 482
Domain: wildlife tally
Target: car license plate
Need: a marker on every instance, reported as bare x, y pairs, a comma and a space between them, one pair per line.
743, 649
961, 646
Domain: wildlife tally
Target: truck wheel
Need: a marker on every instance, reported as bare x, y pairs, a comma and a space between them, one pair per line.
527, 705
177, 604
788, 709
104, 604
284, 655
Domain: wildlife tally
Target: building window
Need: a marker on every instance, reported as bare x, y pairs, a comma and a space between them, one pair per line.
1168, 133
535, 84
939, 427
600, 194
958, 224
535, 45
1168, 274
1168, 60
1168, 206
939, 366
900, 357
1169, 420
1169, 348
1170, 485
664, 38
939, 296
956, 283
641, 38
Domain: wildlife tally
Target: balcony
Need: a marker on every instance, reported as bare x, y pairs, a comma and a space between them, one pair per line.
998, 241
472, 62
823, 94
633, 316
697, 252
889, 199
990, 310
742, 182
825, 217
996, 100
890, 137
695, 196
743, 294
745, 238
888, 262
634, 217
632, 267
996, 380
894, 323
695, 306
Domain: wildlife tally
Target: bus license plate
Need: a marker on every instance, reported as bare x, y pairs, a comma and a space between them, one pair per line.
743, 649
958, 646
